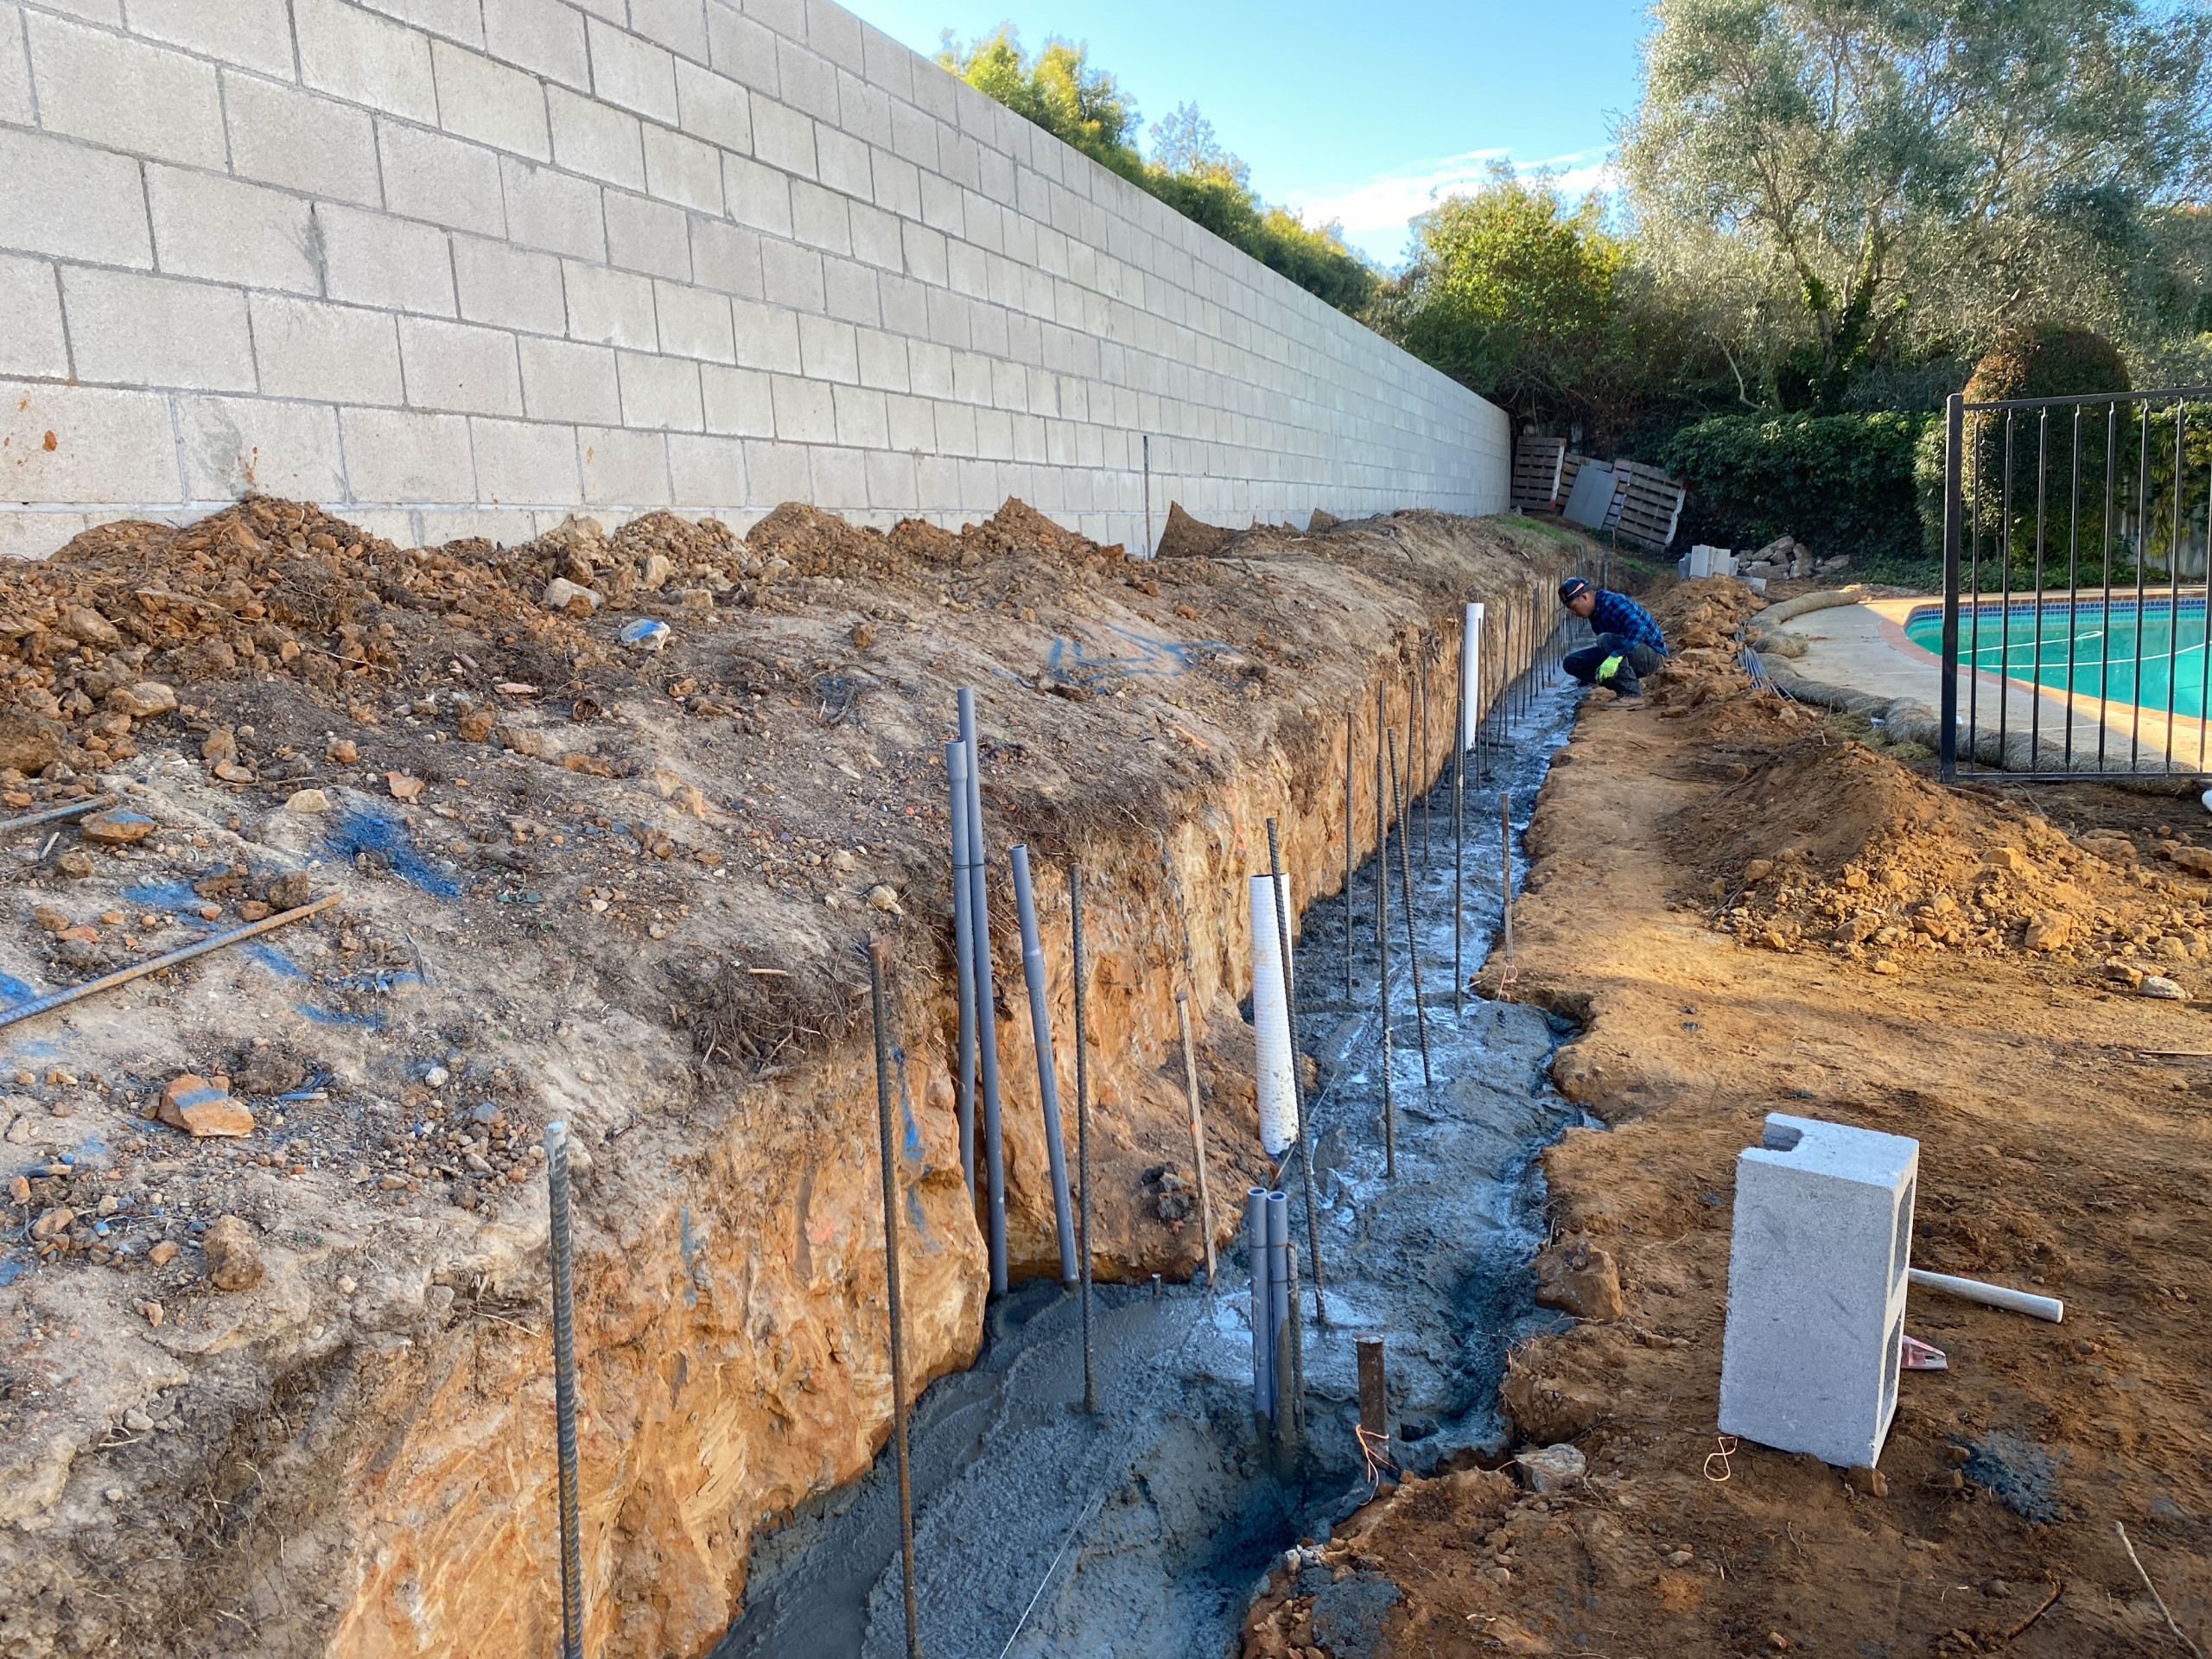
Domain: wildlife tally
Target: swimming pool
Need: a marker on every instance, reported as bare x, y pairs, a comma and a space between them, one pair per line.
2096, 648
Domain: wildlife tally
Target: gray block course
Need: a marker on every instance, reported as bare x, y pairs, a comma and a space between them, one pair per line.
478, 262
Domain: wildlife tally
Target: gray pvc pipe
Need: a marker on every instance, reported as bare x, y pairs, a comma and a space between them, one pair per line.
1278, 1267
987, 1032
963, 951
1263, 1365
1048, 1083
1973, 1290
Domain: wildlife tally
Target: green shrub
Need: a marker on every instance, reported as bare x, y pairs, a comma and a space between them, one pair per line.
1842, 484
2047, 359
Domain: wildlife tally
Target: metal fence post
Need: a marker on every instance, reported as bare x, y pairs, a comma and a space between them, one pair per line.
1953, 443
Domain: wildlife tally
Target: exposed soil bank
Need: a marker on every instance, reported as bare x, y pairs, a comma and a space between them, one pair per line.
1138, 1535
625, 893
1752, 911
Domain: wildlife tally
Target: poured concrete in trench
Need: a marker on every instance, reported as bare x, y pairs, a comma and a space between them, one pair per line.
1139, 1533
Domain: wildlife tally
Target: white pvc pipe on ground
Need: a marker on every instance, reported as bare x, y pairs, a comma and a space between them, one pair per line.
1471, 637
1973, 1290
1271, 1025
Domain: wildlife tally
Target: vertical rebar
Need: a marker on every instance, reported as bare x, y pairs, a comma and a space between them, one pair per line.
1197, 1138
963, 951
878, 956
1374, 1401
1147, 495
1082, 1125
1505, 878
1350, 725
1413, 945
987, 1031
1048, 1081
1382, 948
564, 1391
1428, 795
1297, 1082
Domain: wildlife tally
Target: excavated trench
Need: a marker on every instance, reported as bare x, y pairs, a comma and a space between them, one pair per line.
1041, 1529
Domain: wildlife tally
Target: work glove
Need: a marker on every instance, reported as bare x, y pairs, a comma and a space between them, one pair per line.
1608, 668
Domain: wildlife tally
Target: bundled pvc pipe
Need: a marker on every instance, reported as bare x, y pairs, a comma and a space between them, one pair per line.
963, 951
1048, 1084
987, 1031
1271, 1025
1263, 1362
1973, 1290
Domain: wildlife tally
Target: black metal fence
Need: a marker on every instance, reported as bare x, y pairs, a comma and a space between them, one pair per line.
2073, 624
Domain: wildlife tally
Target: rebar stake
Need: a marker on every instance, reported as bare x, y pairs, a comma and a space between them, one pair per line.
1374, 1406
1406, 890
1081, 1129
1350, 725
878, 956
564, 1391
1382, 948
1297, 1082
1506, 881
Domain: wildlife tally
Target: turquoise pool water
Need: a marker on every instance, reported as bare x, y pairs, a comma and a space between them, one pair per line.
2097, 650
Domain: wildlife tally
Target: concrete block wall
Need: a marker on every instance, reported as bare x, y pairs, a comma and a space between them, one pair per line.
461, 267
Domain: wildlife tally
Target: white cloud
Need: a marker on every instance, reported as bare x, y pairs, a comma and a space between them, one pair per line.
1375, 214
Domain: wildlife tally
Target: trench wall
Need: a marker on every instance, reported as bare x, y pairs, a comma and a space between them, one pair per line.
461, 267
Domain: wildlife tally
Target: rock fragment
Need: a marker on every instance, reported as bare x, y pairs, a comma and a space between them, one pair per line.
1580, 1278
234, 1254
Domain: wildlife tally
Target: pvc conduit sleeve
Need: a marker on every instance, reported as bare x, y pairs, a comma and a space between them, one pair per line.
1279, 1346
565, 1388
1297, 1085
1271, 1025
963, 954
1048, 1083
1383, 947
1973, 1290
987, 1025
1255, 1242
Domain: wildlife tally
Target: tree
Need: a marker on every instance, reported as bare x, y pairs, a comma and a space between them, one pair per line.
1913, 173
1058, 90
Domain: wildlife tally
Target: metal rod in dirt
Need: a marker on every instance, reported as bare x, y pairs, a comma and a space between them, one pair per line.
987, 1033
1282, 1312
1198, 1136
1147, 495
1297, 1083
964, 952
564, 1389
1350, 727
1297, 1329
1082, 1122
1413, 945
123, 976
90, 804
1382, 948
1428, 794
1048, 1082
878, 957
1374, 1397
1263, 1362
1505, 877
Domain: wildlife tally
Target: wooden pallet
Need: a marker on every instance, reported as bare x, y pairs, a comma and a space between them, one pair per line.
1536, 467
1648, 508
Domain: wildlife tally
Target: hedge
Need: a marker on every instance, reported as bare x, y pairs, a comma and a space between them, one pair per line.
1839, 483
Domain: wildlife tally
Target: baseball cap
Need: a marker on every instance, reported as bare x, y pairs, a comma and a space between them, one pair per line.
1572, 589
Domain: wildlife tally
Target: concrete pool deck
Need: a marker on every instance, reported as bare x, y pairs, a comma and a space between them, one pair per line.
1863, 646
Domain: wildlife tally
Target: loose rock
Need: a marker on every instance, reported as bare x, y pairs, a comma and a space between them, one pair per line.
1581, 1278
234, 1254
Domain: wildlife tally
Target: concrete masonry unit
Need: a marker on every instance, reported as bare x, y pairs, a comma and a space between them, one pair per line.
461, 267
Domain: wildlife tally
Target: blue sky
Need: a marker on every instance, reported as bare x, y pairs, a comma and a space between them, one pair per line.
1347, 112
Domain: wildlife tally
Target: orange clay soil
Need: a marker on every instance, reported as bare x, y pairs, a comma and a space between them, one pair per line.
1750, 913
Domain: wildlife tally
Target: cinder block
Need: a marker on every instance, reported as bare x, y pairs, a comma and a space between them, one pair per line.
740, 47
521, 462
33, 533
107, 445
659, 392
805, 410
694, 322
936, 481
1817, 1288
255, 33
648, 236
829, 350
233, 445
16, 103
862, 417
504, 526
757, 195
839, 478
282, 135
767, 336
591, 137
877, 238
929, 368
776, 473
125, 94
850, 291
363, 59
460, 366
375, 259
680, 169
783, 137
428, 175
712, 106
342, 353
32, 341
151, 331
458, 20
737, 402
724, 258
906, 306
897, 184
912, 423
395, 455
625, 469
787, 17
705, 472
611, 307
633, 73
549, 209
564, 380
886, 63
490, 102
210, 226
818, 218
842, 162
792, 276
542, 36
881, 359
497, 283
806, 81
863, 111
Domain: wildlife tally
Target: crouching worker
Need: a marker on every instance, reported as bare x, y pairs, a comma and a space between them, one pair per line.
1629, 645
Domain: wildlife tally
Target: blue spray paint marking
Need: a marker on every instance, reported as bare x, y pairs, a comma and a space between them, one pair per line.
15, 990
273, 959
1071, 659
359, 832
338, 1017
314, 1085
12, 1269
163, 895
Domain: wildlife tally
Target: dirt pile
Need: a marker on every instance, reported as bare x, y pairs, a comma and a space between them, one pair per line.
592, 868
1792, 923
